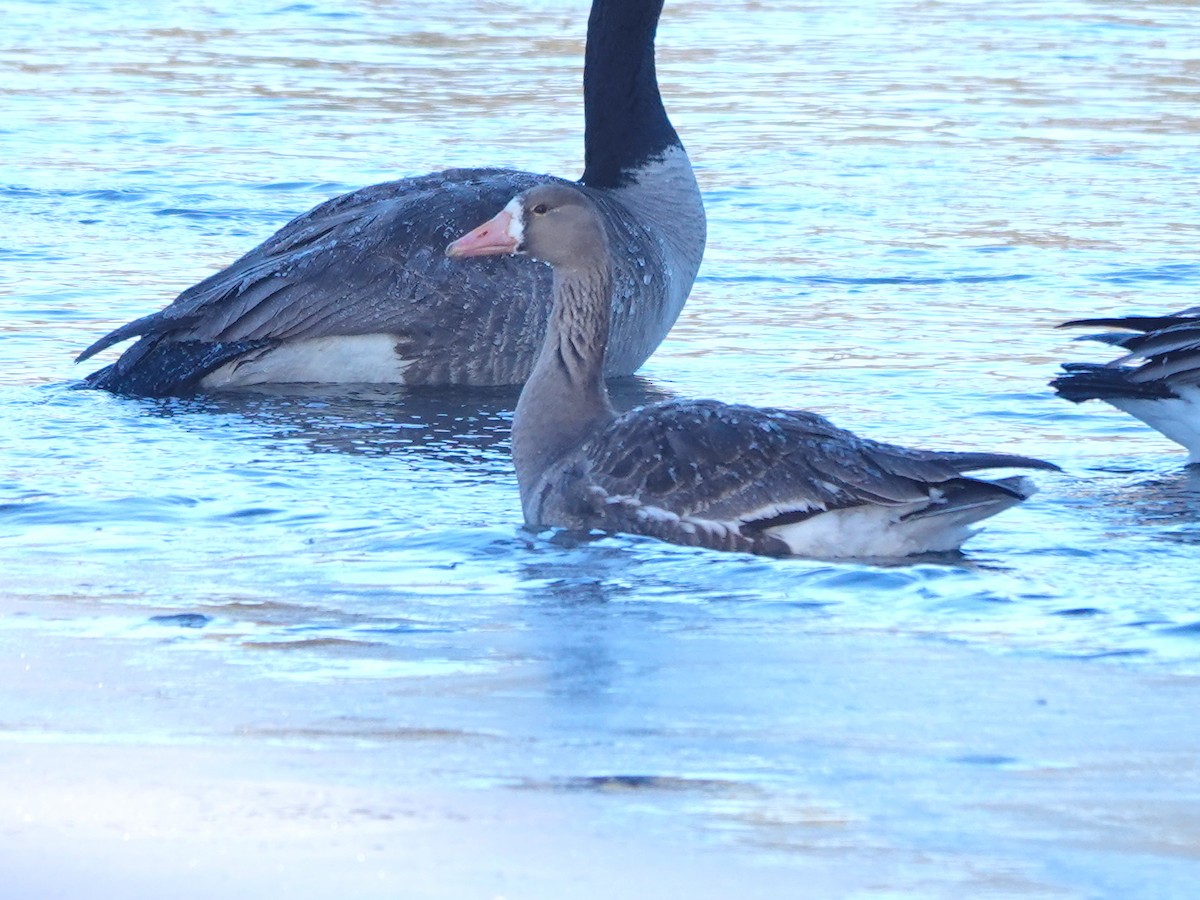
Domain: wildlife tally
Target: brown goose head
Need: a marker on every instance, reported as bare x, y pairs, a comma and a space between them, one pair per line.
554, 223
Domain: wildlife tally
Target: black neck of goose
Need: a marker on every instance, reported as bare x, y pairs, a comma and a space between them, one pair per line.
625, 124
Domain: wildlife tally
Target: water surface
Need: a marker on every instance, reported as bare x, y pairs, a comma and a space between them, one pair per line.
333, 586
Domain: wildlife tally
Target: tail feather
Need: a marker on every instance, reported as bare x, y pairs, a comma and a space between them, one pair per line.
154, 367
1095, 381
970, 500
1137, 323
973, 461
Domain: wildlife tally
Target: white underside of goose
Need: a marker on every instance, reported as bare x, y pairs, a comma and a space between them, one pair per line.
857, 532
352, 359
865, 531
1177, 418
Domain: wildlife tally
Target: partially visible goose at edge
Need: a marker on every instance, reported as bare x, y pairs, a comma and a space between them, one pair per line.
1157, 380
359, 289
700, 472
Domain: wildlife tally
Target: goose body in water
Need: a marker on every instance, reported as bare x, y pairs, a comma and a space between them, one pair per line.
1157, 380
359, 290
700, 472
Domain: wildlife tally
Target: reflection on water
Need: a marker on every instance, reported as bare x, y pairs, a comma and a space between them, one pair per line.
904, 200
459, 425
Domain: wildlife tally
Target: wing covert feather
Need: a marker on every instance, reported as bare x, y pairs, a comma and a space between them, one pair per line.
715, 460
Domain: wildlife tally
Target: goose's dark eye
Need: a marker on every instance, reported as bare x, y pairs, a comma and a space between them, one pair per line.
540, 209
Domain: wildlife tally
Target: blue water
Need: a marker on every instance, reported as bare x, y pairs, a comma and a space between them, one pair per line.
903, 199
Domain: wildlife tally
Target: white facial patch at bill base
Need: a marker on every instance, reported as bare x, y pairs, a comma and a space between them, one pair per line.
516, 221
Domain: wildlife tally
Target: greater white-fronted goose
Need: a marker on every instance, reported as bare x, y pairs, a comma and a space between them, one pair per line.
359, 290
1157, 380
700, 472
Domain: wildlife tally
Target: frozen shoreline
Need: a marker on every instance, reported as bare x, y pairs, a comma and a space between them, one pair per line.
937, 770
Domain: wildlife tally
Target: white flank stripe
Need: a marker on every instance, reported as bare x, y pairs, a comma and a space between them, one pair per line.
356, 359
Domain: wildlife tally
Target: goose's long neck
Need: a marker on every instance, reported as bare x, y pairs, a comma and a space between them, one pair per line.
565, 400
625, 124
635, 161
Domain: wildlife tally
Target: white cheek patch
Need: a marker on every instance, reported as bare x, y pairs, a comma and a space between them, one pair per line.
516, 224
